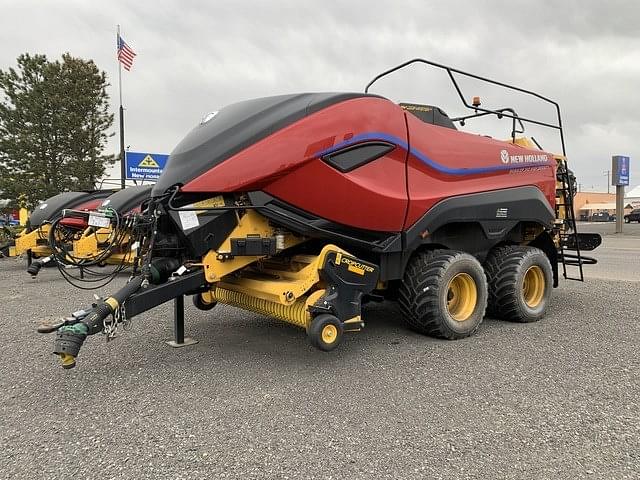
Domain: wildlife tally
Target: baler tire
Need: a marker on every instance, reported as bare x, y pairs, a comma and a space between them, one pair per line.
200, 304
425, 295
325, 332
520, 283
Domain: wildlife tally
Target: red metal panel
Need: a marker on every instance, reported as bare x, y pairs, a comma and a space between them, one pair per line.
372, 197
80, 223
457, 150
285, 165
375, 196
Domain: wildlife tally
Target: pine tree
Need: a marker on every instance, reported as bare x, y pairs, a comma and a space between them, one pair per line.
54, 118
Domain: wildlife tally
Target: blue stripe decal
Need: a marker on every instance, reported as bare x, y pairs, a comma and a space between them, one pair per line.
422, 157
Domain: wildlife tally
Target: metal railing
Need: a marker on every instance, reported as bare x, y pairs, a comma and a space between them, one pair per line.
478, 110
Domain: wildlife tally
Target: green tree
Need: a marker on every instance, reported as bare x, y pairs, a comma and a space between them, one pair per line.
54, 118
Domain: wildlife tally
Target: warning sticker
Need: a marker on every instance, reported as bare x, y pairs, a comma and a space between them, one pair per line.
98, 221
188, 219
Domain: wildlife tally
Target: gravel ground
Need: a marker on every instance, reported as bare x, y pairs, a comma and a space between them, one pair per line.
619, 256
555, 399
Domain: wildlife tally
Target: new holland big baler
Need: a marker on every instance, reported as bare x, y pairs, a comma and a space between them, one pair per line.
103, 236
303, 207
33, 240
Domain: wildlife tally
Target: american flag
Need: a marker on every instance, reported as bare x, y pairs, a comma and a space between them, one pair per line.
125, 54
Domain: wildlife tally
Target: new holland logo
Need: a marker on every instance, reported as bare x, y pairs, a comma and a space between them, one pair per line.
208, 117
148, 162
506, 157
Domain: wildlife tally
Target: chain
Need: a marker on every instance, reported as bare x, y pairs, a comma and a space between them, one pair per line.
126, 322
110, 328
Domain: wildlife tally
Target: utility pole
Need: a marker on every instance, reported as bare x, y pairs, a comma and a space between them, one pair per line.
608, 174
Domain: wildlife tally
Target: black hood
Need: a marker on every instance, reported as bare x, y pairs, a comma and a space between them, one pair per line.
234, 128
126, 200
52, 206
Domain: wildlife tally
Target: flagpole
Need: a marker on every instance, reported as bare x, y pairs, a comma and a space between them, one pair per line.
123, 172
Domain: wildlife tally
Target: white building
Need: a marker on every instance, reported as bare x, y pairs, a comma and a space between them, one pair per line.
633, 197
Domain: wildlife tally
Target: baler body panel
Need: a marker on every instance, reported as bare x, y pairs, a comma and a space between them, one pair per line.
128, 200
388, 194
81, 223
288, 165
235, 127
51, 207
447, 163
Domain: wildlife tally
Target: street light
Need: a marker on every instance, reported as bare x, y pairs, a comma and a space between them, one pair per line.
608, 174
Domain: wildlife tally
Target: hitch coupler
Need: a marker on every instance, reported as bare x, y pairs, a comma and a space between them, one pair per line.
71, 336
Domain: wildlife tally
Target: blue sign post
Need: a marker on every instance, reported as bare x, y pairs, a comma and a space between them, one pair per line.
144, 166
620, 178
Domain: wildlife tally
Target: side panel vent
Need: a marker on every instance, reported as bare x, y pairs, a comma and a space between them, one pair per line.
354, 156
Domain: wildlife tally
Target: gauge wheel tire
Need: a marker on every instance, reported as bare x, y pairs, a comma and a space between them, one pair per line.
520, 283
325, 332
200, 304
444, 294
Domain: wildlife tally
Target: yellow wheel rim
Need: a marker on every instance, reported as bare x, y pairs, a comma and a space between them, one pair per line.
329, 333
462, 297
533, 286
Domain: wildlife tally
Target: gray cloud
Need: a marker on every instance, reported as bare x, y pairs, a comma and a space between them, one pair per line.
194, 57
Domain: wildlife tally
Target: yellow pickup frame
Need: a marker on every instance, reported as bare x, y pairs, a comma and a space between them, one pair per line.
87, 246
217, 266
29, 241
280, 285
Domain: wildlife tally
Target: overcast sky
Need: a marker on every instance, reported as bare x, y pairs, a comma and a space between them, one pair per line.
196, 56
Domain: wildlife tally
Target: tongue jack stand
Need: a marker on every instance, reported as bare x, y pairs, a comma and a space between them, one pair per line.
178, 325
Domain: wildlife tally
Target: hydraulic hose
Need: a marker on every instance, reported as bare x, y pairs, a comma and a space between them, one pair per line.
70, 338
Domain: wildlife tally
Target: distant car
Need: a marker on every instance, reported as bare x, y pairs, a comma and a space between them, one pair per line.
602, 217
9, 223
633, 216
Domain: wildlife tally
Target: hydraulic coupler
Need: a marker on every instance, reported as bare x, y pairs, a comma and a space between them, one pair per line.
72, 333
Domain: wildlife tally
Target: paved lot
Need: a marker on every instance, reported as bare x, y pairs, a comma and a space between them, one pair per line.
556, 399
619, 256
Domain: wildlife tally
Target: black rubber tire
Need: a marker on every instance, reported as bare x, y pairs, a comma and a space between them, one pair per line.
316, 328
423, 295
506, 267
200, 304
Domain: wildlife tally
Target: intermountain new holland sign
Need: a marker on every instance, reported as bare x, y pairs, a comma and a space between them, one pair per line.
144, 166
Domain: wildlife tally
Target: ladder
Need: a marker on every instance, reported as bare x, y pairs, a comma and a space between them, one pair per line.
568, 233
